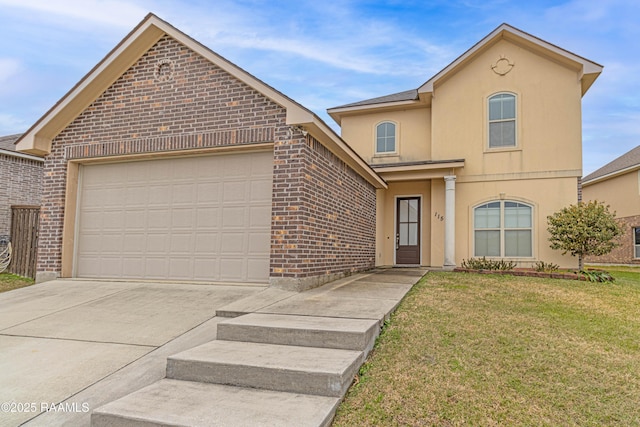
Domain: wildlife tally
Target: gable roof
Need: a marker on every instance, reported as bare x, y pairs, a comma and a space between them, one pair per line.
8, 147
625, 163
589, 70
37, 140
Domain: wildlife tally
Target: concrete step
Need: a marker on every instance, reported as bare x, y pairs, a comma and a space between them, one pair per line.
183, 403
304, 331
308, 370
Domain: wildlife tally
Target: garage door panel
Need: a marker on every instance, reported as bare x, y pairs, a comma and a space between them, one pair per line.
207, 218
258, 243
199, 218
255, 267
182, 218
234, 192
208, 192
134, 243
157, 243
231, 268
181, 244
158, 218
233, 216
207, 242
232, 243
159, 195
260, 216
135, 220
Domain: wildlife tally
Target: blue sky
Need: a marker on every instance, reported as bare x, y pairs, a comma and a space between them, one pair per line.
325, 54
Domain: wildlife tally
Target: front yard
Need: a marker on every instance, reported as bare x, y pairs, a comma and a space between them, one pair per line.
468, 349
9, 282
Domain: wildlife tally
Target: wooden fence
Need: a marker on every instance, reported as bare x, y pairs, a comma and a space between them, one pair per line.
24, 239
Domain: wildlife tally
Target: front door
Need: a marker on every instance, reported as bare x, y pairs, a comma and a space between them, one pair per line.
408, 230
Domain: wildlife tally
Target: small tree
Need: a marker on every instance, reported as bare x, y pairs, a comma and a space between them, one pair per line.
584, 229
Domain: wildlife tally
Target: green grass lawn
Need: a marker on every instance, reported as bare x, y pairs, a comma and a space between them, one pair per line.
9, 282
488, 350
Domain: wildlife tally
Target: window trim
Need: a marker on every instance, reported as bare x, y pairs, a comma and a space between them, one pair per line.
502, 228
515, 119
636, 245
396, 127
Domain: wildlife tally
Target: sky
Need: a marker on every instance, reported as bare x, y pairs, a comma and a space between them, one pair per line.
327, 53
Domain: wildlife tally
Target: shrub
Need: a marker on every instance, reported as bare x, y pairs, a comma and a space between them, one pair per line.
546, 267
584, 229
597, 276
488, 264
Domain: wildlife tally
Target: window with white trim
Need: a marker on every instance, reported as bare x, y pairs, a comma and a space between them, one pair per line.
503, 228
502, 120
636, 242
386, 138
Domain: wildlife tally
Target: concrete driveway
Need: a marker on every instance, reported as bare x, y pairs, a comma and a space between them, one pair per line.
73, 345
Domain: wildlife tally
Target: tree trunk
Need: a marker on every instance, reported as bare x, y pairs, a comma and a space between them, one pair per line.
580, 263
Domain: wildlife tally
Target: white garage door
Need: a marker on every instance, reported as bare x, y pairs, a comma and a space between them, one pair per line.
204, 218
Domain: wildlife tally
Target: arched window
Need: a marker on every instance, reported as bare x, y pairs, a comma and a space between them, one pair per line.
503, 228
386, 137
502, 120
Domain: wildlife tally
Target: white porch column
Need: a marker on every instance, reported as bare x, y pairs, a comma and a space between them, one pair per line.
450, 222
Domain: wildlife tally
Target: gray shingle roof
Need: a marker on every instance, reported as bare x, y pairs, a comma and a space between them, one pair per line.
407, 95
627, 160
7, 142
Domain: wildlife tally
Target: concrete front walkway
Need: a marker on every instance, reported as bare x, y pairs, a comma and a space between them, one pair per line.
90, 342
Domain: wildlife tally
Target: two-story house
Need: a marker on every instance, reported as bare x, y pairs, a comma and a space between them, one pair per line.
477, 157
168, 162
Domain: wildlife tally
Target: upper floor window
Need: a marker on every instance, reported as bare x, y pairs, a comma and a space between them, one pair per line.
386, 138
502, 120
503, 229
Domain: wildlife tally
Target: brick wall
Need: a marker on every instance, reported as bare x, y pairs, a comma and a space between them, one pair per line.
21, 185
323, 216
174, 99
625, 253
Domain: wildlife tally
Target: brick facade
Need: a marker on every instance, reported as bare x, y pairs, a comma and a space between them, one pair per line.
21, 185
625, 253
323, 216
174, 99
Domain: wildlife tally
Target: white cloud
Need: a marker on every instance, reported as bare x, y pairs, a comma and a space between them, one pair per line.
113, 13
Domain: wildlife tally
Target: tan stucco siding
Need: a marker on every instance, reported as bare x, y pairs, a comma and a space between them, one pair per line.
548, 114
413, 135
622, 193
534, 192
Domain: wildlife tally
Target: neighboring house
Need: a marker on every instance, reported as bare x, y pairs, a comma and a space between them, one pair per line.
21, 182
618, 185
168, 162
478, 156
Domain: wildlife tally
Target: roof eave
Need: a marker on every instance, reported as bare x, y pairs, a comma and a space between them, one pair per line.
21, 155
